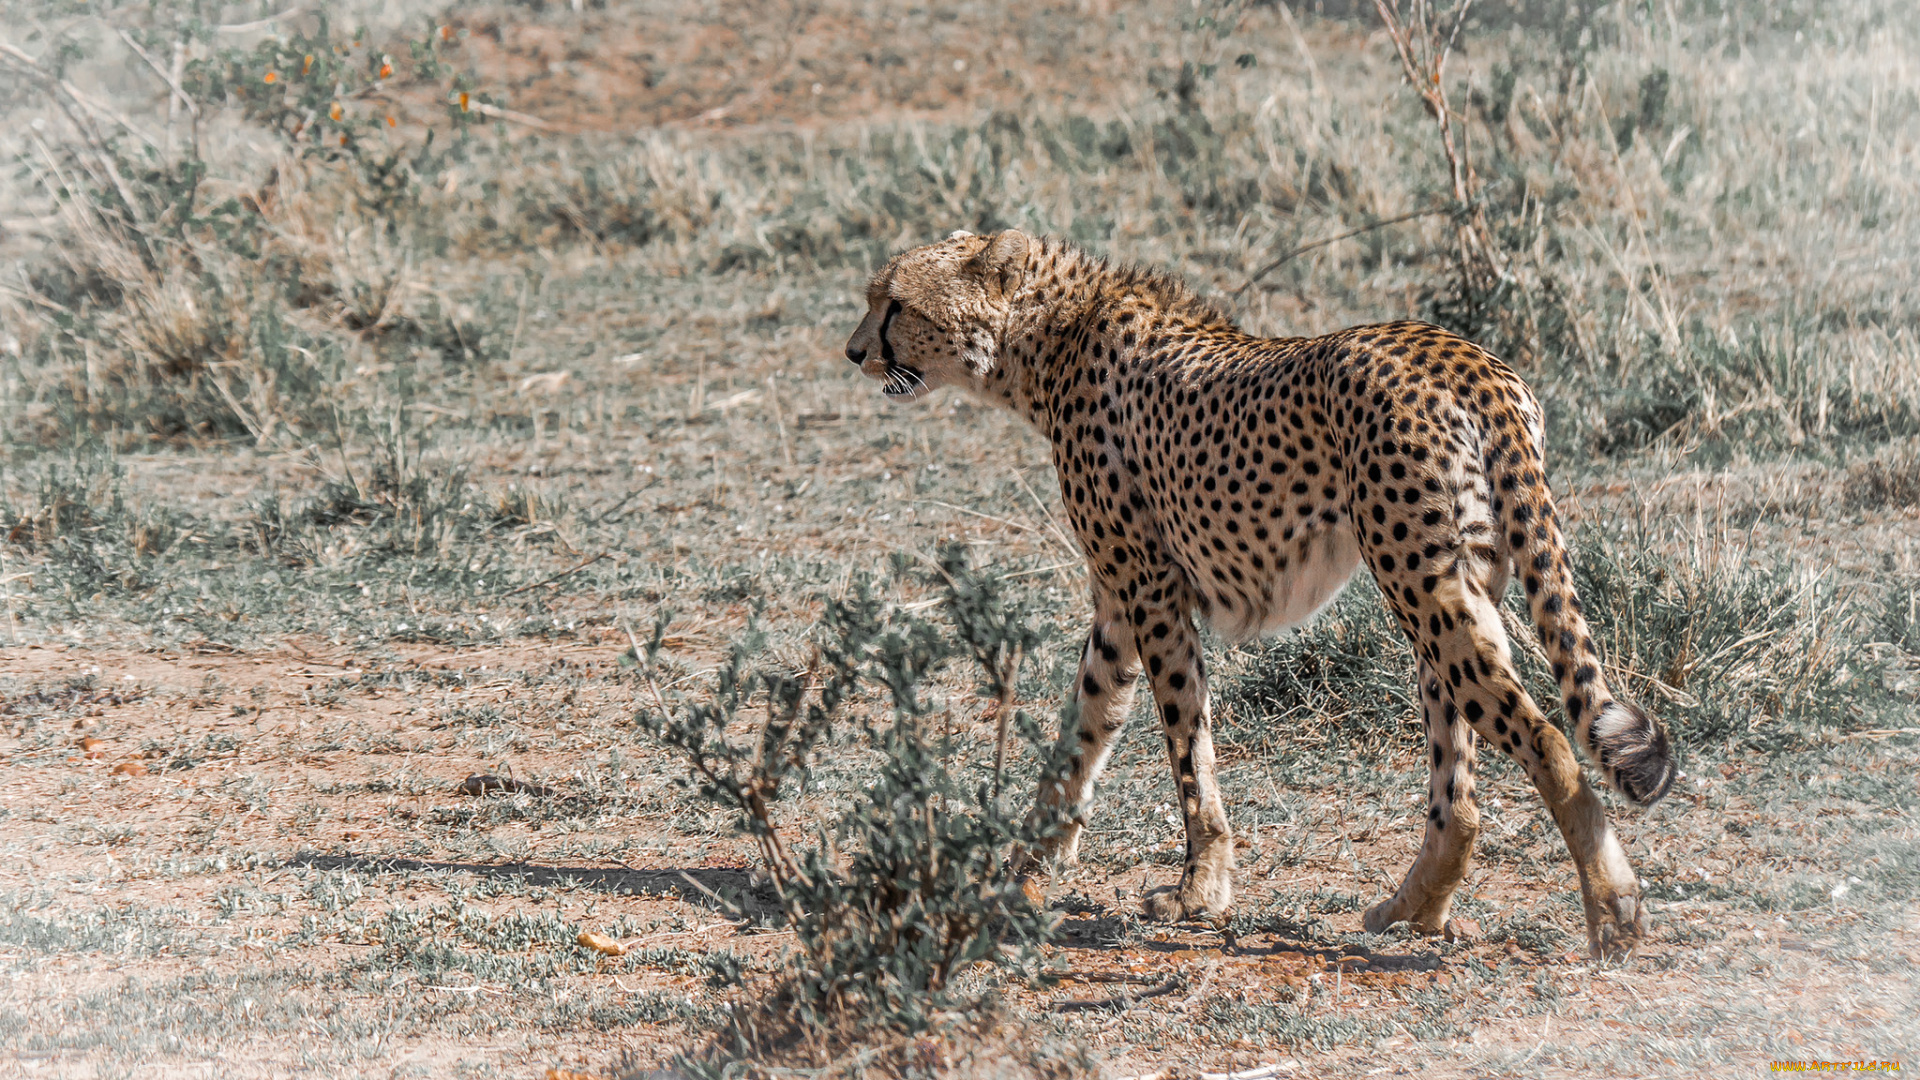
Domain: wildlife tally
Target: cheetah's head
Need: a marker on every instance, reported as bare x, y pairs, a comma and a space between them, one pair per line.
935, 314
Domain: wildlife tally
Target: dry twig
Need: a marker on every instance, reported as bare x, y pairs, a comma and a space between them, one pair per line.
574, 569
1276, 264
1423, 48
1122, 1000
1003, 712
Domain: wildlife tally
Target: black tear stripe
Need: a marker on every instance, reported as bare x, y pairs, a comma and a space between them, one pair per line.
886, 347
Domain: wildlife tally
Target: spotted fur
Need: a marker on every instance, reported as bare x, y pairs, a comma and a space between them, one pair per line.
1242, 480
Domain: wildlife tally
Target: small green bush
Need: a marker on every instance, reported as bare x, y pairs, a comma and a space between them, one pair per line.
912, 882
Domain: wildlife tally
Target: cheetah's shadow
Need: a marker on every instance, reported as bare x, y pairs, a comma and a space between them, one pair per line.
730, 890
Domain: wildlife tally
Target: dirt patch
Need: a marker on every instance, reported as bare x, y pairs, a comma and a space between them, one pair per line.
803, 65
298, 857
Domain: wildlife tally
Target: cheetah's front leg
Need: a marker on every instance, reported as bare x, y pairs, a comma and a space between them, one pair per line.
1103, 696
1170, 646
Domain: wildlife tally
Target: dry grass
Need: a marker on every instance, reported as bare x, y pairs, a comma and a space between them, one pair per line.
312, 518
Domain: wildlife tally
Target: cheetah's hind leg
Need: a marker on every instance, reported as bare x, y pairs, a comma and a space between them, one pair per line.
1481, 683
1453, 821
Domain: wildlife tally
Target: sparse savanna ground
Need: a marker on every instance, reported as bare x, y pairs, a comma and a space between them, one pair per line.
357, 465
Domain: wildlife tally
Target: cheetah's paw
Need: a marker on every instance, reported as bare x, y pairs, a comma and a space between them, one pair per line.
1380, 916
1184, 903
1620, 930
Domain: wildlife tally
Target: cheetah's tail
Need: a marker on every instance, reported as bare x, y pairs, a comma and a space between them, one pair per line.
1630, 747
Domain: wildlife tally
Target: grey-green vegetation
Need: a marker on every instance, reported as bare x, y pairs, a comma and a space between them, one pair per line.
436, 422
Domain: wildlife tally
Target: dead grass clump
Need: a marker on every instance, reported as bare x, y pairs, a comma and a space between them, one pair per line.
183, 306
1889, 481
1732, 649
1762, 389
72, 512
397, 500
1725, 648
247, 328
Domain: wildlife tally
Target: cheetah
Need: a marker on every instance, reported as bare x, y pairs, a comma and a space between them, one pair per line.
1241, 480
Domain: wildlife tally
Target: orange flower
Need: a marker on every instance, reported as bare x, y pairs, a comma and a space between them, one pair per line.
390, 122
463, 101
272, 76
307, 64
386, 69
446, 33
334, 113
343, 140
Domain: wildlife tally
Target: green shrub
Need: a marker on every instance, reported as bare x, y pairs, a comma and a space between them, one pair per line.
911, 882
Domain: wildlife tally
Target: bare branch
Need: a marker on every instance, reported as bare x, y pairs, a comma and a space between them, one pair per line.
1459, 20
64, 91
1423, 61
531, 121
1004, 714
1254, 277
173, 84
258, 24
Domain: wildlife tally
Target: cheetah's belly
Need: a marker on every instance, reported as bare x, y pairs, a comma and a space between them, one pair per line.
1246, 490
1318, 565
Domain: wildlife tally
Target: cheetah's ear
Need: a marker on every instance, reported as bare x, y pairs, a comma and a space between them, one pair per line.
1004, 258
958, 234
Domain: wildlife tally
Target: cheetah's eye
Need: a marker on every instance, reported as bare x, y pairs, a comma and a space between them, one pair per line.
886, 346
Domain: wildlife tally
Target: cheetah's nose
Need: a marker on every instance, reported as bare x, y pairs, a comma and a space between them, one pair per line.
856, 355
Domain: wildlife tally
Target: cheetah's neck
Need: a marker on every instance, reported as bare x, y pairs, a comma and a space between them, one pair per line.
1078, 320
